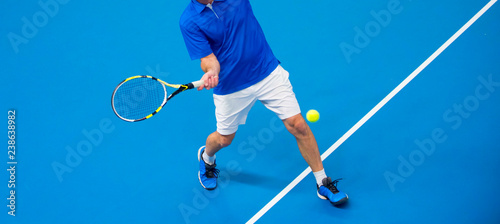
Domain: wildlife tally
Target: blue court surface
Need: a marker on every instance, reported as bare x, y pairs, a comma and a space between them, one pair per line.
431, 154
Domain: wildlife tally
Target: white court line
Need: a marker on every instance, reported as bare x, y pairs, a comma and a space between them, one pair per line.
363, 120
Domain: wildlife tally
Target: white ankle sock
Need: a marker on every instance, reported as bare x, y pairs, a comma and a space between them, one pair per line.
320, 175
208, 159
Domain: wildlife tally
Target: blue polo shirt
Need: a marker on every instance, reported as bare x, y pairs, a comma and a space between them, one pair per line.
230, 30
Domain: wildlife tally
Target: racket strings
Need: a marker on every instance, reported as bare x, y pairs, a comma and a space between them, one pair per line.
137, 98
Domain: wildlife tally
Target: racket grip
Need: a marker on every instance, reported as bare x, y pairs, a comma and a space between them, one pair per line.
198, 83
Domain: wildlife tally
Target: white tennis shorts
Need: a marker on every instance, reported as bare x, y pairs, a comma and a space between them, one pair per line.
275, 92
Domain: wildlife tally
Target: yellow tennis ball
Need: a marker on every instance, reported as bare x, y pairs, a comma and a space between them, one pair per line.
312, 116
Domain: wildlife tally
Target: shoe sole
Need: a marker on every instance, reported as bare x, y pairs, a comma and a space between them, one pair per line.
341, 201
199, 179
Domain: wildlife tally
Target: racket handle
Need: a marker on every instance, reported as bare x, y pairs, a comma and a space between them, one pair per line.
197, 84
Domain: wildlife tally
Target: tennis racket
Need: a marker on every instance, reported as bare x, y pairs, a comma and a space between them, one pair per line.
140, 97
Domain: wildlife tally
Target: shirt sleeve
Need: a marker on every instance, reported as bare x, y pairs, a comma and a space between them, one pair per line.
196, 42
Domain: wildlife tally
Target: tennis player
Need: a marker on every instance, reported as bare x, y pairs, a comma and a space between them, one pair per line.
241, 68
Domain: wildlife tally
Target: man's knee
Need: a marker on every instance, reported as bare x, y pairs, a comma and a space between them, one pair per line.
225, 140
297, 125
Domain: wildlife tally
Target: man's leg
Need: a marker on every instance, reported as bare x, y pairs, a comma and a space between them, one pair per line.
208, 174
308, 147
231, 111
216, 142
276, 93
327, 189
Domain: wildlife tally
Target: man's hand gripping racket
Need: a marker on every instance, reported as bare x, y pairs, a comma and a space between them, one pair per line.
210, 79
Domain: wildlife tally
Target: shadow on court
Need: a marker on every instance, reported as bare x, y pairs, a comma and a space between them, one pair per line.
270, 182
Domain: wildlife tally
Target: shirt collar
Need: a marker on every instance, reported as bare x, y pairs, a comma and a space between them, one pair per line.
199, 7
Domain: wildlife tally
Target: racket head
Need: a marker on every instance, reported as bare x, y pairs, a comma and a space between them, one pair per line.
138, 98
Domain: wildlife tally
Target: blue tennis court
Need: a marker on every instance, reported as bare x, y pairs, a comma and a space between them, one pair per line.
429, 154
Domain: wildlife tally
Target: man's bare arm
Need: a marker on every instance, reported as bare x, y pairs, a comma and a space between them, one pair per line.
210, 65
